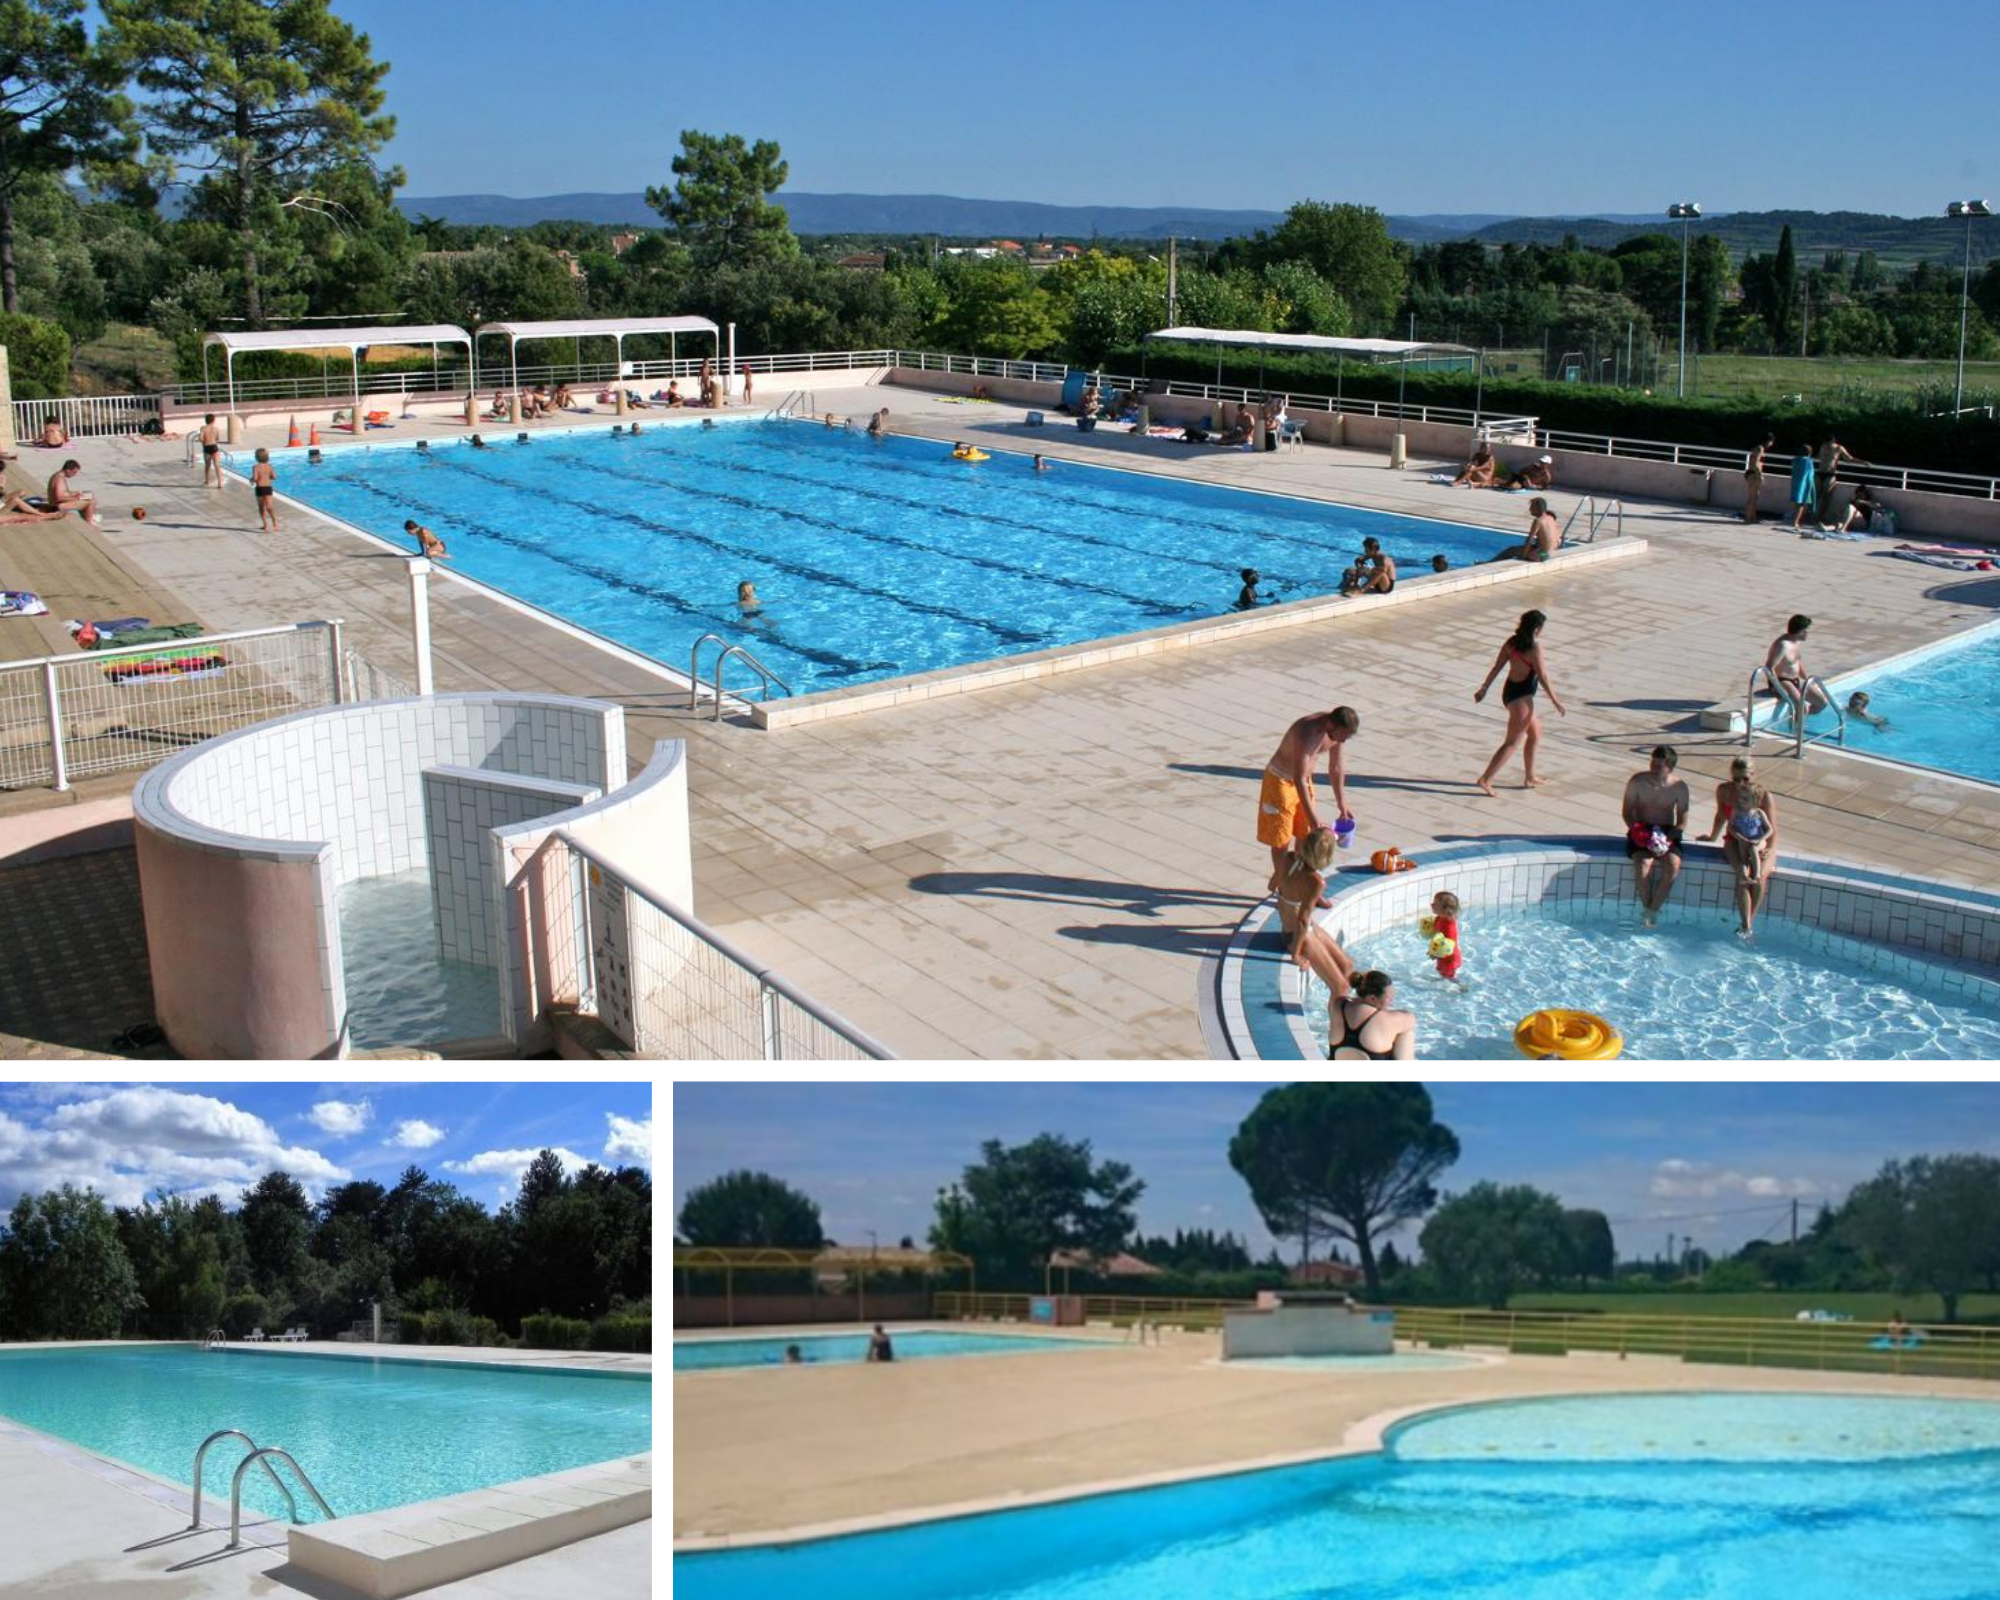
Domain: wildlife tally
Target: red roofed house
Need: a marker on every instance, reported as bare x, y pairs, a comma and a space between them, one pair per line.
1324, 1275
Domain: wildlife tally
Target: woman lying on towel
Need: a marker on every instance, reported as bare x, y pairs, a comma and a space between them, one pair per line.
18, 508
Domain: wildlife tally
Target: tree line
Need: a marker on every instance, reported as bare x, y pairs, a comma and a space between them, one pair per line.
1334, 1169
567, 1262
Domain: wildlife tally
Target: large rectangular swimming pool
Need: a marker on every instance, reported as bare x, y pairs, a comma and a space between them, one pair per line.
369, 1433
708, 1355
1942, 705
872, 559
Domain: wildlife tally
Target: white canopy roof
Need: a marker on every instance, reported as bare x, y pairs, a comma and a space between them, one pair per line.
616, 327
1306, 341
336, 338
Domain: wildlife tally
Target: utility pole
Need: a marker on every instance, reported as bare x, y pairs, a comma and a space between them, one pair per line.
1173, 279
1795, 1219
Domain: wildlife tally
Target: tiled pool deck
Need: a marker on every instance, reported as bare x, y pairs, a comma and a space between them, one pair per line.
1041, 868
960, 1435
82, 1527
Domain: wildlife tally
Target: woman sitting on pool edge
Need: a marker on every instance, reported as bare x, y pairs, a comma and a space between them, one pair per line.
1363, 1027
1312, 948
1743, 808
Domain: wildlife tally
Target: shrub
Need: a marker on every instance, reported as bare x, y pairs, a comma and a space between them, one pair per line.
449, 1326
622, 1333
242, 1313
545, 1332
414, 1328
484, 1330
37, 357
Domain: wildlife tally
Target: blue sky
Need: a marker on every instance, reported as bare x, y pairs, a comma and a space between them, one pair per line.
128, 1140
1423, 107
1720, 1162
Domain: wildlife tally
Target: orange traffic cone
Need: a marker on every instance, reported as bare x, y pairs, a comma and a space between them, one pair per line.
293, 442
313, 437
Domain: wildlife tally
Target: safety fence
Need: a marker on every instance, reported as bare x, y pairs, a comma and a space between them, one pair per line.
1820, 1345
87, 416
455, 382
75, 716
661, 980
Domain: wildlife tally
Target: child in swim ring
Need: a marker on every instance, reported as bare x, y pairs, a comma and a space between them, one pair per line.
1444, 927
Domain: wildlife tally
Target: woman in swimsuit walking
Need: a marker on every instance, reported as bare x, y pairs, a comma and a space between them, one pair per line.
1527, 671
1300, 886
1364, 1028
1747, 821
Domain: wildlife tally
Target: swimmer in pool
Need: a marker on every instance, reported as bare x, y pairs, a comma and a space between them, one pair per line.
1857, 708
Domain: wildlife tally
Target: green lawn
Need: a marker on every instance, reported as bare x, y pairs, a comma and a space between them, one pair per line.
1778, 378
1983, 1308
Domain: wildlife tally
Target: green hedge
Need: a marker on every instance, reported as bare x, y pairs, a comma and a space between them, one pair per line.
1895, 436
545, 1332
621, 1333
450, 1325
37, 357
242, 1313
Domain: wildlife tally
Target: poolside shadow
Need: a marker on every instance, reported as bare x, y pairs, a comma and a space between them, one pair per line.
1980, 592
1206, 940
166, 1538
1682, 706
1134, 899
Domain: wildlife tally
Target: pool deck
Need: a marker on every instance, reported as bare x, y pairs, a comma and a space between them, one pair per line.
1040, 869
818, 1449
82, 1527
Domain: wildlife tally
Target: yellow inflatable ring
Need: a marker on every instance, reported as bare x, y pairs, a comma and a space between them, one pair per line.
1568, 1036
969, 455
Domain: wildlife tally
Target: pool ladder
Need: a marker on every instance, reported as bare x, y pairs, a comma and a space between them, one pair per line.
260, 1454
214, 1339
1594, 519
771, 679
1837, 733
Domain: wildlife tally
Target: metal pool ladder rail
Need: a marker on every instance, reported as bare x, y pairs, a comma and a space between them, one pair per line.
1837, 733
214, 1339
771, 679
258, 1455
1594, 518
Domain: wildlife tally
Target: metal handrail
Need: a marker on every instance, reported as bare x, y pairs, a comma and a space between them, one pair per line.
1812, 680
214, 1337
1594, 519
728, 650
767, 980
236, 1490
237, 1433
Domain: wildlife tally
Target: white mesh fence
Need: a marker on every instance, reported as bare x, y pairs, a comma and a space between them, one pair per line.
135, 705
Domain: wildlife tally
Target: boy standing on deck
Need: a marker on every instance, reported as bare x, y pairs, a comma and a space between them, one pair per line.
264, 480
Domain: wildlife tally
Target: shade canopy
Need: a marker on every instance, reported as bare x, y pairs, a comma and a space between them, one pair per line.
609, 327
352, 340
1309, 341
335, 338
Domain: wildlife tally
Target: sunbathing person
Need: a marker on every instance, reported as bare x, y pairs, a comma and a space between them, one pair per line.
637, 401
54, 434
564, 400
674, 396
1241, 430
1537, 474
499, 411
61, 497
1478, 473
1860, 510
18, 508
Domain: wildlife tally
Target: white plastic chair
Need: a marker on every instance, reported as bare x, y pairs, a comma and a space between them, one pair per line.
1293, 433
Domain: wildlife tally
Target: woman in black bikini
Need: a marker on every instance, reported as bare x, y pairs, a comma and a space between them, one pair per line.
1364, 1028
1527, 672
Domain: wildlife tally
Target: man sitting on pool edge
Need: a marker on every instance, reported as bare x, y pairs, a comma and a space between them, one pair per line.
1655, 812
880, 1347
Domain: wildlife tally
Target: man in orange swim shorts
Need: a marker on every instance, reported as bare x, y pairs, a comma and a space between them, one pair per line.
1285, 809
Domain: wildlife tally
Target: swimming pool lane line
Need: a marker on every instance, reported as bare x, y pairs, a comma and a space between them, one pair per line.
812, 574
1154, 608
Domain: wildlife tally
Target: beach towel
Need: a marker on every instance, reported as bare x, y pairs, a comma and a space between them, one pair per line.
174, 630
20, 603
1442, 477
1970, 552
1955, 563
1830, 533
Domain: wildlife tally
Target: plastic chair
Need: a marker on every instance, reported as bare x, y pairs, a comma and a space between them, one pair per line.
1292, 433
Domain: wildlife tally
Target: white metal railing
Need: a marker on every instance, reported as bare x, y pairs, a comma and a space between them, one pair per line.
263, 1456
73, 716
86, 415
363, 680
769, 678
663, 981
1594, 518
1785, 704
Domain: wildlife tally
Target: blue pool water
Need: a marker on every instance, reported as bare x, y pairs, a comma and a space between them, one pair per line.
707, 1355
872, 559
1688, 990
1496, 1526
1943, 711
371, 1434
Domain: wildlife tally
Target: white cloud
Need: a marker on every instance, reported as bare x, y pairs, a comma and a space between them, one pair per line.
628, 1139
415, 1135
342, 1116
131, 1142
510, 1164
1700, 1180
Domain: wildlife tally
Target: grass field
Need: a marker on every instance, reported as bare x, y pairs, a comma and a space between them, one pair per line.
1973, 1308
1774, 378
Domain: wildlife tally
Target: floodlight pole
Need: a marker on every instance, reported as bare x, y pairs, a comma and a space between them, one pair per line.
1967, 209
1684, 211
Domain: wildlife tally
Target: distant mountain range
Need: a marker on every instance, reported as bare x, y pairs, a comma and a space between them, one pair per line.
1897, 241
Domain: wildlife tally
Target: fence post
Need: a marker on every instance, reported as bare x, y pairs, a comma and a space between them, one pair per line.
420, 620
52, 697
336, 658
774, 1043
